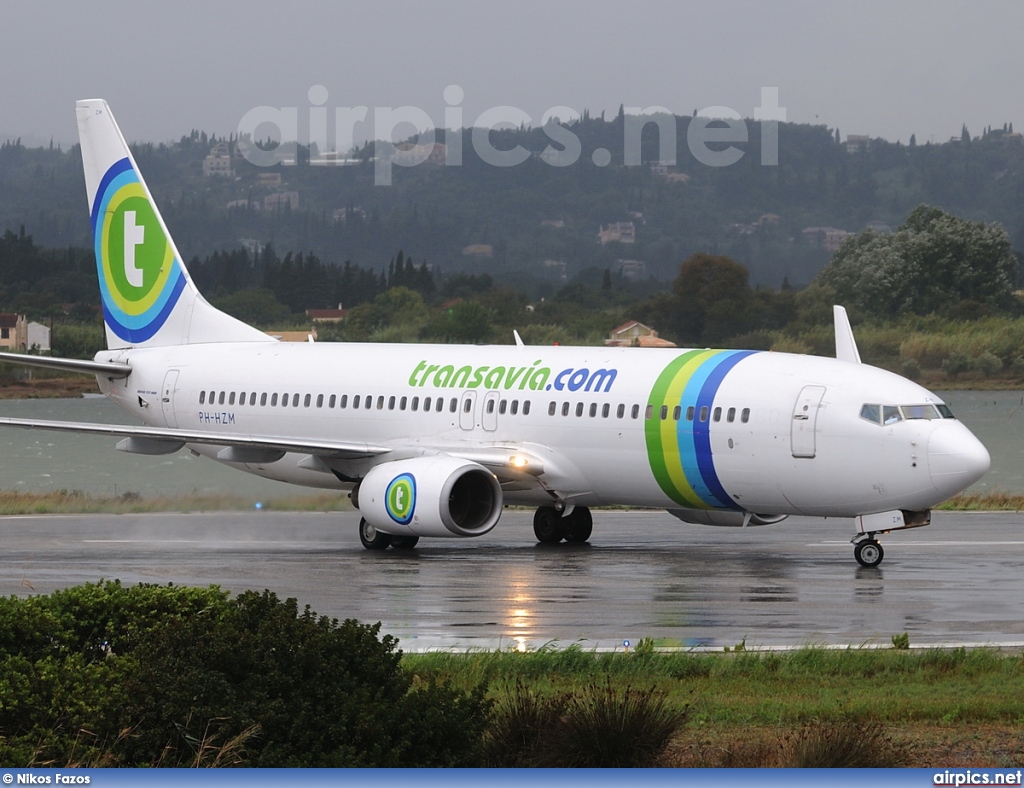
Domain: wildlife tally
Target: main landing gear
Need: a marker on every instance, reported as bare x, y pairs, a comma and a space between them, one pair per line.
868, 552
373, 539
551, 527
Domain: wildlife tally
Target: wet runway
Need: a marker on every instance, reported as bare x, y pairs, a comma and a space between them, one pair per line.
645, 574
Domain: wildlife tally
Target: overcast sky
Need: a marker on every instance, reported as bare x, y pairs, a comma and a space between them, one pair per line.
887, 69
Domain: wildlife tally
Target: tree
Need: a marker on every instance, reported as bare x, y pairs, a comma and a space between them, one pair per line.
934, 262
712, 298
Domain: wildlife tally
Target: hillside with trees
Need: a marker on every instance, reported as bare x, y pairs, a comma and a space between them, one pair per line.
538, 223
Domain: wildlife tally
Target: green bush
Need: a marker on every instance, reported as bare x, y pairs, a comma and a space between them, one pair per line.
600, 726
842, 744
988, 364
182, 677
956, 363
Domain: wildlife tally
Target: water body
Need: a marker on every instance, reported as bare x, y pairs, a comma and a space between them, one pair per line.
41, 461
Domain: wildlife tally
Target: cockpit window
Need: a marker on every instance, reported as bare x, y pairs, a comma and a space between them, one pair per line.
872, 413
919, 411
890, 414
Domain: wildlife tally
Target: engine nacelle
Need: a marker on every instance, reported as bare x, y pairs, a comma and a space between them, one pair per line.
730, 518
438, 495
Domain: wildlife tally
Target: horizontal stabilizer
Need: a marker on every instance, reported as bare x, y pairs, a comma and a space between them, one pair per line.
111, 369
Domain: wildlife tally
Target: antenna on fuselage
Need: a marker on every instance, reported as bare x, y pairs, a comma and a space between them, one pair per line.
846, 345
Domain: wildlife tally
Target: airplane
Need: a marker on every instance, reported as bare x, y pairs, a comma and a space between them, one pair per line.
435, 440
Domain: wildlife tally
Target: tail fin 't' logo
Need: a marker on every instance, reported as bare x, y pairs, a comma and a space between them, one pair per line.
140, 279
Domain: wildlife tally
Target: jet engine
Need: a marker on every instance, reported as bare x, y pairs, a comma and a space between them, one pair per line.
726, 518
438, 495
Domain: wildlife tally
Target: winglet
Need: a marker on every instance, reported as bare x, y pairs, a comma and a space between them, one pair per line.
519, 339
846, 345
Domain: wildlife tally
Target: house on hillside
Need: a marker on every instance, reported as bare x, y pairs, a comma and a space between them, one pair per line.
13, 331
327, 315
636, 334
623, 232
828, 238
38, 338
218, 163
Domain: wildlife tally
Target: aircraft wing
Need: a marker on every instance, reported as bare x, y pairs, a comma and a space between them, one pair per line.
237, 448
510, 464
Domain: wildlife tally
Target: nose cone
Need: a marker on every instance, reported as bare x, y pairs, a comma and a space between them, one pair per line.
956, 459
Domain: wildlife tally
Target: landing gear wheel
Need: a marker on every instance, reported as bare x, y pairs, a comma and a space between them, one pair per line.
548, 526
404, 542
371, 538
579, 525
868, 552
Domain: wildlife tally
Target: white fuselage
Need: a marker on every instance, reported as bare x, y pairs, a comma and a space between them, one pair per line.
768, 433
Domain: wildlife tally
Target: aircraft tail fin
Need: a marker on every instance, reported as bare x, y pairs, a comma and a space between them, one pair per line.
148, 297
846, 345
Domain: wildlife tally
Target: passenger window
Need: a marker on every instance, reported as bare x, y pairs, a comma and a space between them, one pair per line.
263, 400
319, 400
502, 407
380, 402
202, 397
677, 411
621, 411
231, 398
890, 414
355, 401
368, 401
241, 398
307, 400
426, 403
467, 406
718, 414
731, 415
704, 413
605, 410
579, 409
213, 397
745, 415
515, 407
565, 408
284, 400
295, 400
490, 405
648, 412
221, 402
453, 405
526, 408
273, 400
440, 404
331, 400
415, 403
872, 413
689, 413
252, 398
664, 412
593, 409
391, 403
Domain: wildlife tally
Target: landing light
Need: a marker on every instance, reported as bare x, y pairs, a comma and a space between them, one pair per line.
518, 461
